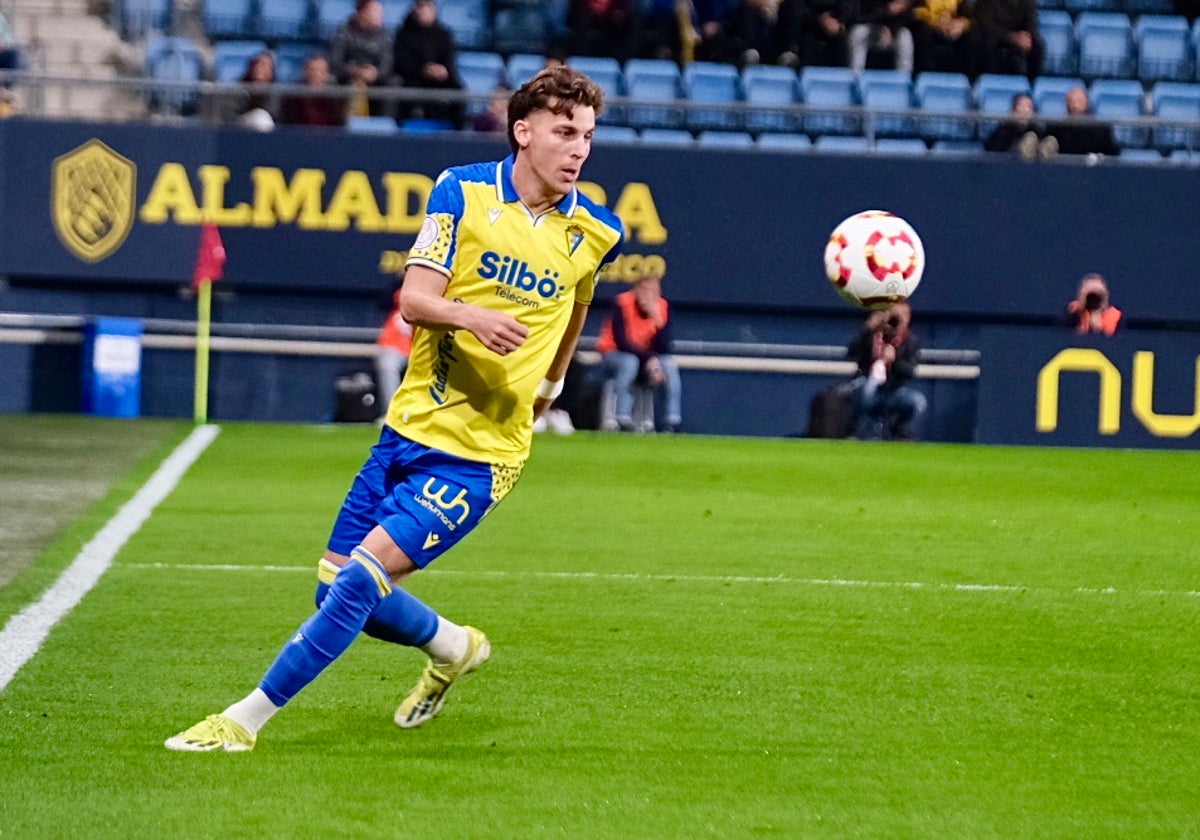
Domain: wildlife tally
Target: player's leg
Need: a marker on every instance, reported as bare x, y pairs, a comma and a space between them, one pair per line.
623, 370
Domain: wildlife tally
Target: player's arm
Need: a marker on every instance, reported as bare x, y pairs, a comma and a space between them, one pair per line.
562, 357
423, 304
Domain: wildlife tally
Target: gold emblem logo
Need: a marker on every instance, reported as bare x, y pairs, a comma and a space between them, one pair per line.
92, 192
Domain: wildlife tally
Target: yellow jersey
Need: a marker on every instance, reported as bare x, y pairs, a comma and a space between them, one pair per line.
457, 396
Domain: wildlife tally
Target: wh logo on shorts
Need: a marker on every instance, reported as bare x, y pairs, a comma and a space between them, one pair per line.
433, 498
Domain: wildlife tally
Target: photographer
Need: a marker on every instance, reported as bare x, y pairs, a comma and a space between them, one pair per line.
1092, 311
885, 351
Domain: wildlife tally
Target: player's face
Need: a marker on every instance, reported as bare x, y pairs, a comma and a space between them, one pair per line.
557, 145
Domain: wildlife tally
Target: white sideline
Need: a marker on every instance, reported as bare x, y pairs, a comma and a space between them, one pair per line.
24, 633
637, 576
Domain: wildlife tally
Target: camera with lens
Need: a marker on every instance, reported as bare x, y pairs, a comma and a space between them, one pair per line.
1093, 301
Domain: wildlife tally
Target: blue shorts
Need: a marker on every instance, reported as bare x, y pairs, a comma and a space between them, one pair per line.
427, 500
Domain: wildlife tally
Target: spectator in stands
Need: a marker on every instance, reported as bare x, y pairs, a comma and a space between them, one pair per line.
495, 119
713, 17
361, 55
942, 39
254, 108
10, 50
602, 28
1022, 133
1009, 40
393, 346
881, 33
314, 108
885, 350
635, 348
824, 32
424, 56
1081, 133
1092, 311
670, 29
760, 32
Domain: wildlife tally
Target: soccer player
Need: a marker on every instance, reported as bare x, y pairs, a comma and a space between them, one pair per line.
497, 283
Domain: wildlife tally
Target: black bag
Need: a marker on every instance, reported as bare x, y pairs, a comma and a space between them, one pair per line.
831, 414
355, 399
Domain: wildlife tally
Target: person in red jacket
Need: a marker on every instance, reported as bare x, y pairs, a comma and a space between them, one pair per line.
635, 348
1092, 311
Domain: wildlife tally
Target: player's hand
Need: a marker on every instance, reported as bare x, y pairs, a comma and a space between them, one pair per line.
498, 331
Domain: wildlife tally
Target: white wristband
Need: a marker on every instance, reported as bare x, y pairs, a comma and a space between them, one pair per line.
547, 390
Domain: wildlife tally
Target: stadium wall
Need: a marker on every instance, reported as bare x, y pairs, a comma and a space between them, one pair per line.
103, 219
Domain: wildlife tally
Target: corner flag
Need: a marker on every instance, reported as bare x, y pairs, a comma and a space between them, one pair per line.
210, 265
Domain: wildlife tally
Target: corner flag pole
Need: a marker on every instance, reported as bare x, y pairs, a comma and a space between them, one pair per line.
210, 263
203, 333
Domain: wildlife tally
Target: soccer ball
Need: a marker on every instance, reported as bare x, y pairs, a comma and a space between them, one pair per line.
874, 259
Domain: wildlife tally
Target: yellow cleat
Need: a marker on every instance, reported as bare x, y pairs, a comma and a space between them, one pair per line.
429, 694
215, 732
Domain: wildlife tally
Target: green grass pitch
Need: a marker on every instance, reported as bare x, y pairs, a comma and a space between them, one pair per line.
693, 637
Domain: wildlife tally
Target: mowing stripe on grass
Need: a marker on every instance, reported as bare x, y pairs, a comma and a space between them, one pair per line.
640, 577
23, 635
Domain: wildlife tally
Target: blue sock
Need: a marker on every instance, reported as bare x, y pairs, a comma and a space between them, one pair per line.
400, 618
356, 592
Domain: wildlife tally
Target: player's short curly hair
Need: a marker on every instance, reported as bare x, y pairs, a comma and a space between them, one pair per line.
559, 90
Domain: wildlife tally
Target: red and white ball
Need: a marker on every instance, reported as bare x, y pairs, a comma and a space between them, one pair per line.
874, 259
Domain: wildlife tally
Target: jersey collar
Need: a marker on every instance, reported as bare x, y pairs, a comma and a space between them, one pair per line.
507, 192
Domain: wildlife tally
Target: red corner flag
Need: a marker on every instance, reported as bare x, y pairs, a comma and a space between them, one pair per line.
210, 260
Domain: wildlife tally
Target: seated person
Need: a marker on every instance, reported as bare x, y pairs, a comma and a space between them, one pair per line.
314, 109
1081, 133
882, 29
1022, 133
1092, 311
635, 348
886, 353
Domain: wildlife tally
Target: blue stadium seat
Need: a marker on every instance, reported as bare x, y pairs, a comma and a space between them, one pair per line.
944, 93
134, 19
289, 60
1164, 48
372, 125
888, 90
653, 80
173, 59
718, 84
1142, 156
1075, 7
607, 73
1116, 99
614, 134
667, 137
420, 125
519, 26
467, 21
764, 85
785, 142
1058, 33
481, 73
1050, 94
1176, 102
957, 147
901, 146
840, 144
1185, 157
289, 20
1105, 41
522, 66
231, 57
227, 19
331, 14
725, 139
829, 87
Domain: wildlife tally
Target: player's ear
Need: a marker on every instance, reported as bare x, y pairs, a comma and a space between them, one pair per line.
521, 133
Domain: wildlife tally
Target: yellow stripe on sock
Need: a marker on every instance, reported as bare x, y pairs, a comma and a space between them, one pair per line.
326, 571
375, 568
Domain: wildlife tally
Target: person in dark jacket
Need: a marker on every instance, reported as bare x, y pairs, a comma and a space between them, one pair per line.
313, 108
885, 351
423, 56
361, 53
1009, 38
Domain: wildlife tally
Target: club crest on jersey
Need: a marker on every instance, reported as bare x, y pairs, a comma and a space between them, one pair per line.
92, 191
574, 238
